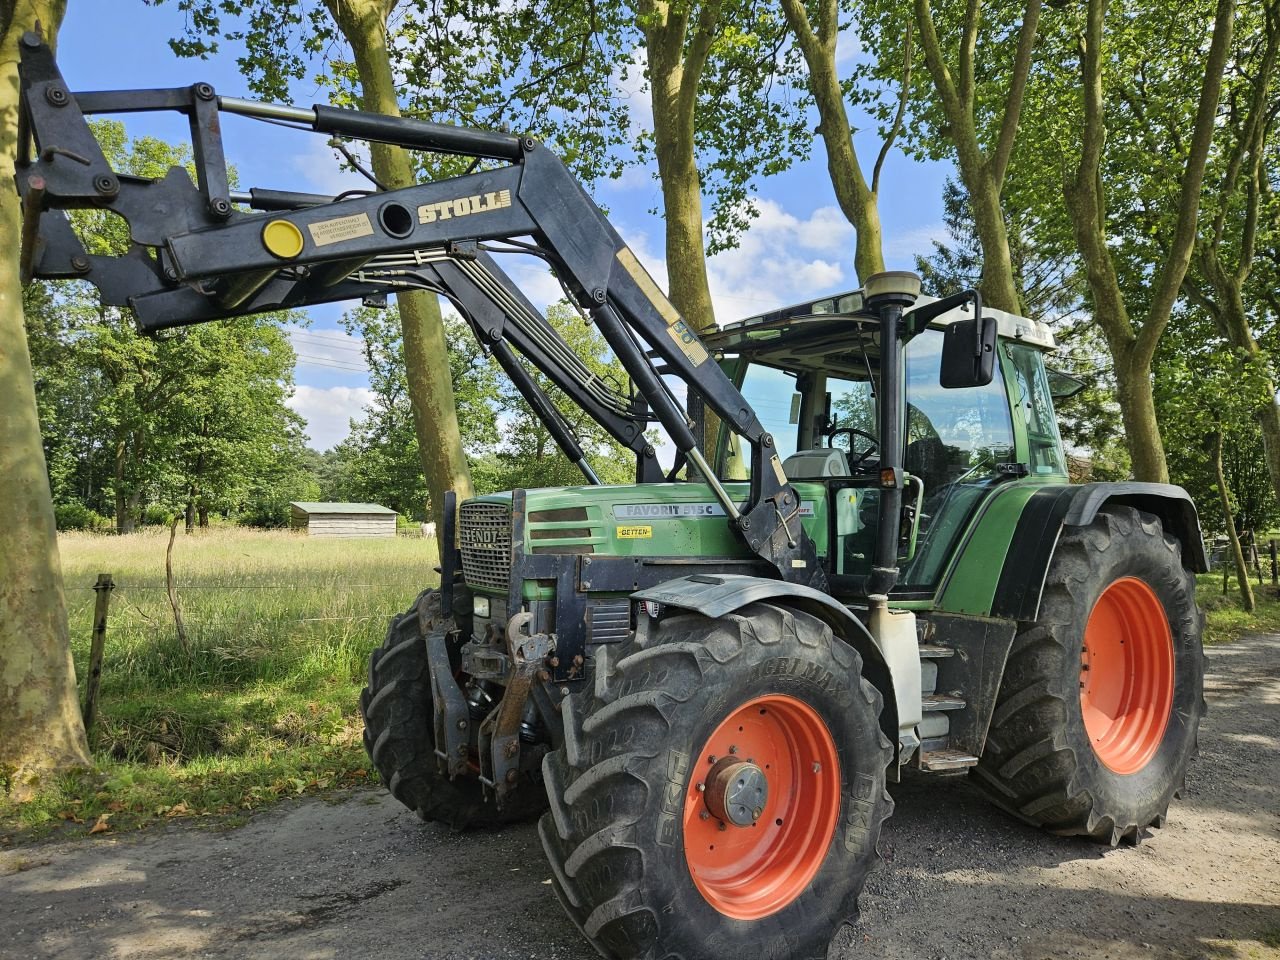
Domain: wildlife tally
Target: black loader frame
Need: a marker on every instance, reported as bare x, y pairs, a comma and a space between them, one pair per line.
196, 257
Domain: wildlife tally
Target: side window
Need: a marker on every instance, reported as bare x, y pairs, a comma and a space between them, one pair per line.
951, 434
1034, 405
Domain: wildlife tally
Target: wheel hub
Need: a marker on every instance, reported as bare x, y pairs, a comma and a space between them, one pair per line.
736, 792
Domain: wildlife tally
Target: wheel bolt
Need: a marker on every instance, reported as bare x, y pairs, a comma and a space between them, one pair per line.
702, 788
711, 759
733, 749
705, 815
817, 767
722, 825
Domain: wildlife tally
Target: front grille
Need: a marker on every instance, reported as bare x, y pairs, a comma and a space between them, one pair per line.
484, 534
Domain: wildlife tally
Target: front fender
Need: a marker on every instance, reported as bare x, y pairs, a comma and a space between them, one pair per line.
720, 594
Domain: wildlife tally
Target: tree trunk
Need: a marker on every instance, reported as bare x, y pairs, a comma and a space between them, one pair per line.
858, 202
674, 75
41, 731
1138, 414
1237, 552
426, 354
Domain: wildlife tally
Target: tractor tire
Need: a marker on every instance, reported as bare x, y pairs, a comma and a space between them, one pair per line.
1100, 705
766, 696
398, 733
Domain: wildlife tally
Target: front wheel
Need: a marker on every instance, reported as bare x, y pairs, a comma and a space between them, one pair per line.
720, 792
1099, 708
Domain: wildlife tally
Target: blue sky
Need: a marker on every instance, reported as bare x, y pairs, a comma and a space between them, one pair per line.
800, 247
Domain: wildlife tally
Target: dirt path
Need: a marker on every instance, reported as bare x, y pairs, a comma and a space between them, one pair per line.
360, 877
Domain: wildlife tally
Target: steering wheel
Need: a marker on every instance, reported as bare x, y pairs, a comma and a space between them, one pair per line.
872, 447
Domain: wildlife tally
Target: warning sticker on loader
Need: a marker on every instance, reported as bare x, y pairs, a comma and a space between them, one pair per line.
340, 228
677, 329
640, 532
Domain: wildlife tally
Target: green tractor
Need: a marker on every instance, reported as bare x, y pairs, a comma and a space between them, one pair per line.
714, 761
703, 681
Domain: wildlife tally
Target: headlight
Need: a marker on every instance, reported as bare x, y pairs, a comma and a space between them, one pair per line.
480, 607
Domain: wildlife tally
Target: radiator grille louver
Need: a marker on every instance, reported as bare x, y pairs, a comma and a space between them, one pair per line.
484, 534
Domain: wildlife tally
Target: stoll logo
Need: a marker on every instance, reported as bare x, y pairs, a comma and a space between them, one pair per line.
464, 206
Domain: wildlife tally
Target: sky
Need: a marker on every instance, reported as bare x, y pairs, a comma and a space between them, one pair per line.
799, 248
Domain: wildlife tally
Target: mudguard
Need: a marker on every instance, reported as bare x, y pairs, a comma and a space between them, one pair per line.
1052, 508
721, 594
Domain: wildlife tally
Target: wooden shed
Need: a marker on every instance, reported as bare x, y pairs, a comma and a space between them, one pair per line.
342, 519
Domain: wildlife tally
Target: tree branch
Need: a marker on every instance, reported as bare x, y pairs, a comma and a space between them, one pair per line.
1169, 281
695, 60
1017, 91
903, 94
968, 49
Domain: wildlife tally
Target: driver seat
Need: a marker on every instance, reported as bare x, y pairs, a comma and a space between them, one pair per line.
817, 464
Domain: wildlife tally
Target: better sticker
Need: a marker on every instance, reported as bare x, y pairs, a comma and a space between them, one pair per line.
639, 532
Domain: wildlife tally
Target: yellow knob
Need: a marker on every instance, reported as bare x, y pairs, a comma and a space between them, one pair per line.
282, 239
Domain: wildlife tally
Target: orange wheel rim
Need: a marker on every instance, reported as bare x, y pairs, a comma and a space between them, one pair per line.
763, 845
1126, 675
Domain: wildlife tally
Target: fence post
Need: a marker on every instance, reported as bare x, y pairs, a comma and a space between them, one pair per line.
102, 602
1275, 573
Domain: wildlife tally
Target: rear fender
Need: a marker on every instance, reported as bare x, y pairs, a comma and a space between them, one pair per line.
1054, 508
716, 596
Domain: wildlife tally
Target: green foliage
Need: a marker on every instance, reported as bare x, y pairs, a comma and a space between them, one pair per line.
76, 516
1203, 386
195, 418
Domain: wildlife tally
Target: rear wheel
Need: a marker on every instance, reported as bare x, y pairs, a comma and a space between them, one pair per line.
720, 791
397, 711
1101, 700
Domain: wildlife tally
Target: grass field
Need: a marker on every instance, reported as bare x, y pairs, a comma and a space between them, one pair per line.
264, 702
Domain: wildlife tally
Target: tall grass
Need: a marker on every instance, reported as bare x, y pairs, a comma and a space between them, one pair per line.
262, 702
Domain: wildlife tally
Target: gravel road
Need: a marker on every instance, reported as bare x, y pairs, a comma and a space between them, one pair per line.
357, 876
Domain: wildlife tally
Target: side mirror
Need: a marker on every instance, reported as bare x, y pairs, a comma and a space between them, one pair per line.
968, 353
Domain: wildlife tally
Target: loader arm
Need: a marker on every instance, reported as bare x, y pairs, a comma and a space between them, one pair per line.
195, 257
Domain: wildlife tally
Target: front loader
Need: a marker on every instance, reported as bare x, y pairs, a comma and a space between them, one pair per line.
701, 682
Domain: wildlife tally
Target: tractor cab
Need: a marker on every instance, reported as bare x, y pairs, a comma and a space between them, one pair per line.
811, 372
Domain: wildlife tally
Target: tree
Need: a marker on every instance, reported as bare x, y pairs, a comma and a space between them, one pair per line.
1149, 164
817, 37
965, 107
1215, 446
41, 732
1241, 215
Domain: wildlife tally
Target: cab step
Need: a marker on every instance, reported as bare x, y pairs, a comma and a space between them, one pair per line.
936, 651
943, 761
941, 701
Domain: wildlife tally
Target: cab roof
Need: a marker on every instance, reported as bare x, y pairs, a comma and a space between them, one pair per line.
815, 332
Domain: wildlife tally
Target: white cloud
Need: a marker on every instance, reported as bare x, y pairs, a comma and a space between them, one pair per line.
782, 259
631, 86
902, 247
328, 411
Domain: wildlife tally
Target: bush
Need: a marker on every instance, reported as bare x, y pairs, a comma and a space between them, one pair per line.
76, 516
155, 515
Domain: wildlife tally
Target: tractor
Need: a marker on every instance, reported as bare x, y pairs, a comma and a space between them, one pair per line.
864, 556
